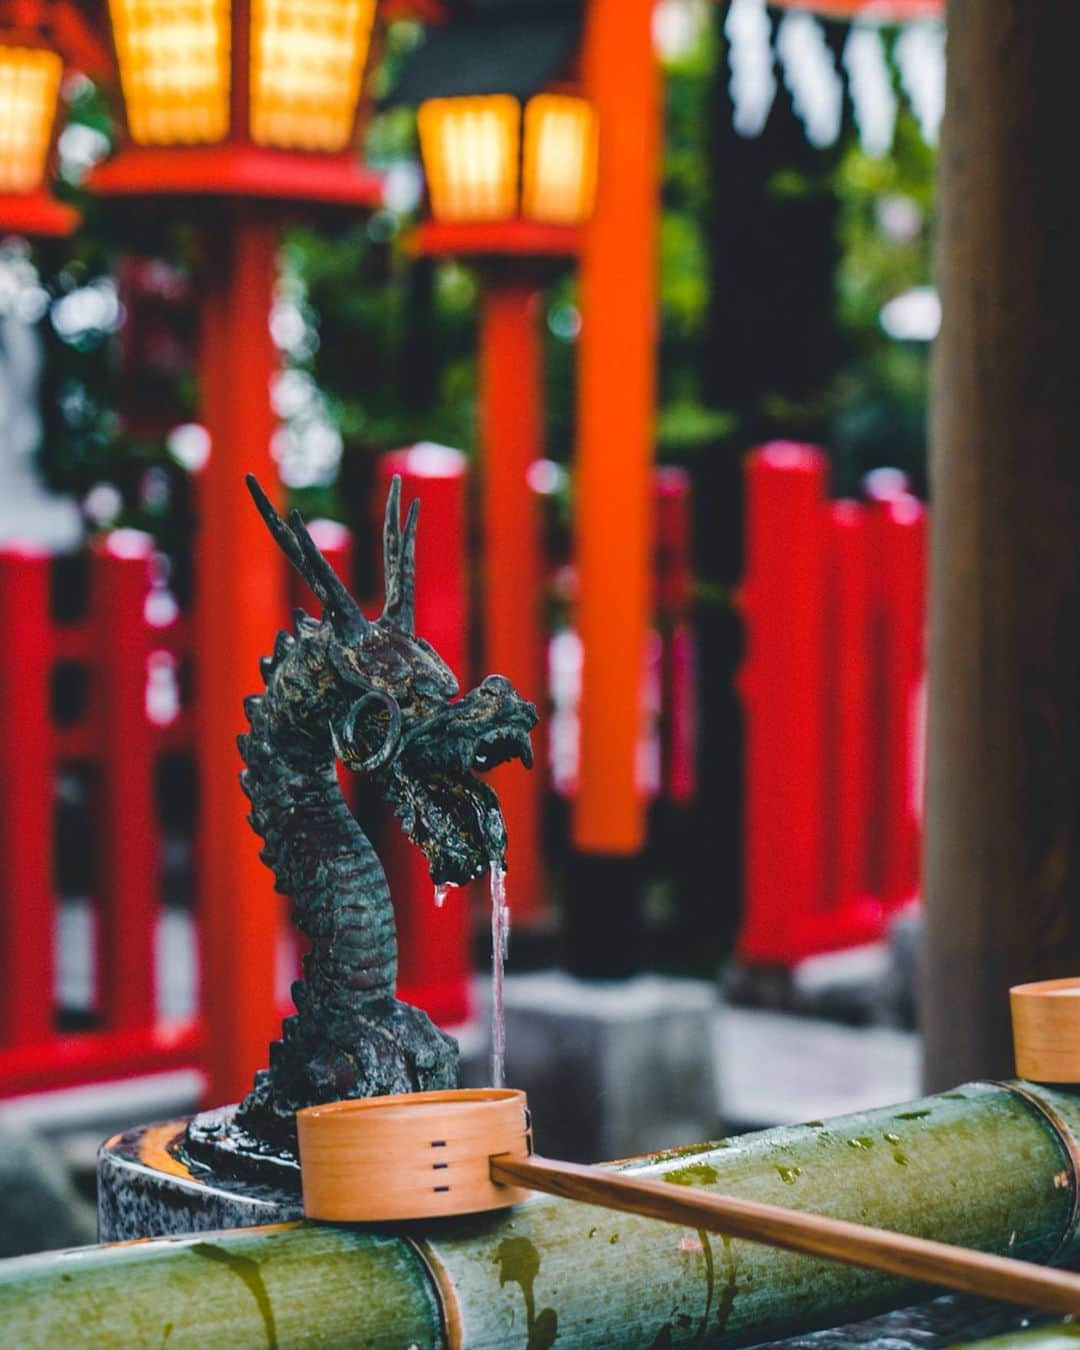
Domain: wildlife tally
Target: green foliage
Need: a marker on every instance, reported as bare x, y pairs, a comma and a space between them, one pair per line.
886, 223
684, 273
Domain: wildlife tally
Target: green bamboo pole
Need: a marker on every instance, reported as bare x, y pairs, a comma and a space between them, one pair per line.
984, 1167
284, 1285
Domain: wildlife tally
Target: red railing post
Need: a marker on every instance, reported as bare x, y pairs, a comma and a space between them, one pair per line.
783, 687
27, 914
130, 856
850, 717
433, 965
898, 525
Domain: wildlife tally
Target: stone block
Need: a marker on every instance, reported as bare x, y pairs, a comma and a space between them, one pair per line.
612, 1068
39, 1208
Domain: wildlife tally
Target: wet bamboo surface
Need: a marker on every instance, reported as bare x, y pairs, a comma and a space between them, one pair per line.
912, 1258
982, 1167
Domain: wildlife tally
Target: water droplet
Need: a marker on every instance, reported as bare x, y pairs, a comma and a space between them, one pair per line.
441, 892
864, 1143
788, 1175
891, 1138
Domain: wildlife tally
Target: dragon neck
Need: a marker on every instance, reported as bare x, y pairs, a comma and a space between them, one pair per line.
319, 855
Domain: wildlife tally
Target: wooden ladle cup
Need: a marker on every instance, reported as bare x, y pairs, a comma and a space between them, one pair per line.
1046, 1030
417, 1155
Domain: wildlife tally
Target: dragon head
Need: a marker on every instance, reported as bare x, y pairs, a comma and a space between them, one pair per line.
391, 705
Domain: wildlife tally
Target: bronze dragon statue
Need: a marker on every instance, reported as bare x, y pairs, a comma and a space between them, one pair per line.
377, 697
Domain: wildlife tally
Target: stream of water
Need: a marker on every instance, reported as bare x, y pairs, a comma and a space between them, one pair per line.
500, 945
500, 949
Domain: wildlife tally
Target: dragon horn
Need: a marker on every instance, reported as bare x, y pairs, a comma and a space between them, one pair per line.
399, 560
301, 550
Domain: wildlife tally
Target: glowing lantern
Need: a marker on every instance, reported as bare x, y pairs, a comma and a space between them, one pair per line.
254, 97
559, 178
39, 39
174, 67
475, 169
471, 148
29, 89
307, 64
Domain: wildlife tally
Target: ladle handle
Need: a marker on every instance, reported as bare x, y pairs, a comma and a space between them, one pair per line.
901, 1254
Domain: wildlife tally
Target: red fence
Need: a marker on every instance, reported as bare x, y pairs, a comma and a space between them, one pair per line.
75, 696
101, 698
832, 683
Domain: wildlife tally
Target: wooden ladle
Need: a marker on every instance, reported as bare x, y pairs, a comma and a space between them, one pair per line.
429, 1154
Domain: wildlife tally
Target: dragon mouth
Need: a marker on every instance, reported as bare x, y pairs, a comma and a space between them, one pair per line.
500, 746
434, 785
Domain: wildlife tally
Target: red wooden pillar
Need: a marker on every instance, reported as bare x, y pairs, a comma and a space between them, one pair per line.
783, 686
129, 848
615, 418
26, 799
239, 602
433, 959
512, 437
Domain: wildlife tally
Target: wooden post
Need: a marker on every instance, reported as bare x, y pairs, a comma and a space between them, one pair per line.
240, 605
511, 415
1002, 867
